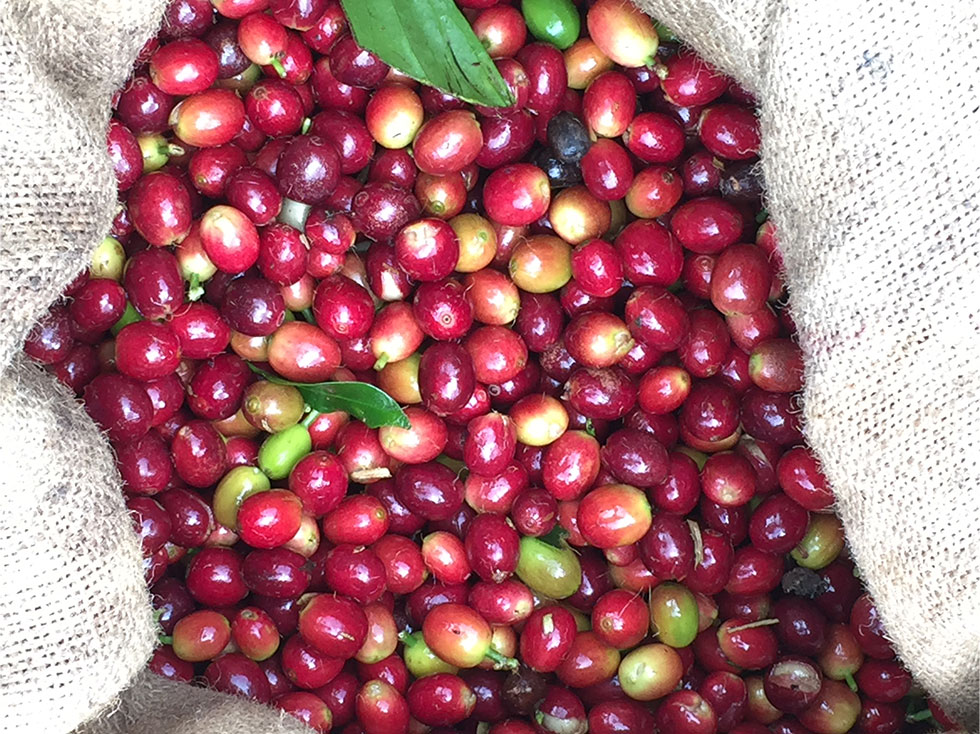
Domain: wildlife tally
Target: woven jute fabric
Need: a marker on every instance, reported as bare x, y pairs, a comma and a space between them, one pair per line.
870, 117
156, 706
75, 620
871, 152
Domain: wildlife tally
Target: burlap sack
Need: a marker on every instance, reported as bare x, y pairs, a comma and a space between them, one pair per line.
75, 621
156, 706
871, 153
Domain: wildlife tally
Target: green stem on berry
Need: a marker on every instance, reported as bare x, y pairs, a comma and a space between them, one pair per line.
305, 127
501, 662
851, 683
194, 288
311, 417
381, 362
307, 314
277, 65
405, 637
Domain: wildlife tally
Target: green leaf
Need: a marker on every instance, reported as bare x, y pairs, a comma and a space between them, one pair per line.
365, 402
555, 537
429, 40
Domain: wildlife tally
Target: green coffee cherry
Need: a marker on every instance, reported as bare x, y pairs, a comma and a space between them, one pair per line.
823, 542
674, 614
419, 658
243, 81
650, 672
665, 33
271, 407
238, 484
552, 21
130, 315
550, 571
699, 457
280, 452
108, 259
156, 151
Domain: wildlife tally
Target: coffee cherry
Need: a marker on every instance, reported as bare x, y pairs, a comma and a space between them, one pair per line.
201, 635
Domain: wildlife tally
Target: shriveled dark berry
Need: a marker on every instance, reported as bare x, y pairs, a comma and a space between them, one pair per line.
568, 137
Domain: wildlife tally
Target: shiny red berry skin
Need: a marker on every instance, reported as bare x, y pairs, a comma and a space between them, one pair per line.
214, 577
199, 453
119, 405
125, 154
654, 137
144, 464
656, 317
308, 169
320, 482
143, 107
427, 249
620, 619
800, 476
754, 571
276, 574
147, 351
381, 709
441, 699
607, 171
160, 208
492, 547
517, 194
50, 340
869, 630
333, 625
355, 572
730, 131
269, 519
690, 81
183, 67
209, 118
706, 225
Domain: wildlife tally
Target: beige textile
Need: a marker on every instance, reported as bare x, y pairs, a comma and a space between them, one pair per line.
870, 115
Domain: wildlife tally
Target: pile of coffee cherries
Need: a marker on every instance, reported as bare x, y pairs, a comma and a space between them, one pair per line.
602, 517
